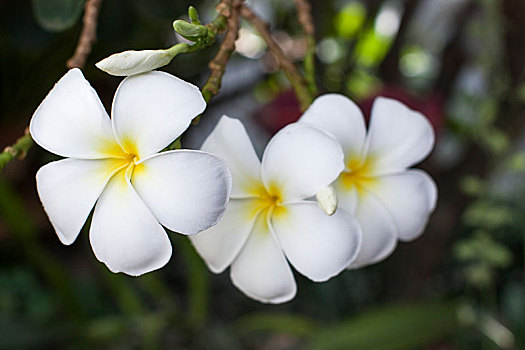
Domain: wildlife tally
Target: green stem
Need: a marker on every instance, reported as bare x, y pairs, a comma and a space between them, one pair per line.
18, 150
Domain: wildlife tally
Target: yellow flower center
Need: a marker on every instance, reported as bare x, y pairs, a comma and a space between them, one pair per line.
126, 157
358, 175
268, 200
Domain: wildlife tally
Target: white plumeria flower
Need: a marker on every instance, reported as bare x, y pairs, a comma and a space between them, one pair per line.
389, 201
114, 162
268, 219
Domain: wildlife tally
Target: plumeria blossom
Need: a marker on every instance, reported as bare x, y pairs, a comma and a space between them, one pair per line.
389, 201
269, 221
115, 163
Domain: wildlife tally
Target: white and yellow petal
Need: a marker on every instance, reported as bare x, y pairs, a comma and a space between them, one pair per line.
410, 197
151, 110
220, 244
186, 190
72, 122
300, 160
260, 270
341, 117
68, 190
317, 245
398, 137
230, 142
124, 233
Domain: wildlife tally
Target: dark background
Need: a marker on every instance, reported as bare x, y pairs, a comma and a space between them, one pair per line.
459, 286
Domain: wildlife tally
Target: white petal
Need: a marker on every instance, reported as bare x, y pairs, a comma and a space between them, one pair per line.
398, 137
317, 245
410, 197
300, 160
186, 190
68, 190
378, 228
341, 117
220, 244
151, 110
71, 120
124, 234
261, 270
230, 142
347, 198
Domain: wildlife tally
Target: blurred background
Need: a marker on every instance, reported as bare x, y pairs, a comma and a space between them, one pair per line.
459, 286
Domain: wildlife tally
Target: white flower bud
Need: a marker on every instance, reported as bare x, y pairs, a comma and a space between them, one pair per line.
327, 200
134, 62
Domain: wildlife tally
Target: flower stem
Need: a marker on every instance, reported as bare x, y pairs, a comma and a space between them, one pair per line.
17, 150
184, 48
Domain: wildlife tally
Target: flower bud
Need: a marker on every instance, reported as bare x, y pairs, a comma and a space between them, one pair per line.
194, 16
134, 62
327, 200
190, 31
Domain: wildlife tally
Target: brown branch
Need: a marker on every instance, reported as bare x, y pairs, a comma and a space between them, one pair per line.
88, 35
230, 9
304, 15
295, 78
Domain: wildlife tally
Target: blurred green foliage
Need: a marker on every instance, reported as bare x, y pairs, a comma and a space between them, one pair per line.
472, 295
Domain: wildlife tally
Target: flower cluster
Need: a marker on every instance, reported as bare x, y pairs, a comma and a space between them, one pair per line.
367, 197
270, 216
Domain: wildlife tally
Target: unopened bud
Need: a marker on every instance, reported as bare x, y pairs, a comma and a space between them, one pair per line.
190, 31
134, 62
194, 16
327, 200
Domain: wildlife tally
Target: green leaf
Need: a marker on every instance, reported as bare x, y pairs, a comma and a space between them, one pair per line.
397, 327
57, 15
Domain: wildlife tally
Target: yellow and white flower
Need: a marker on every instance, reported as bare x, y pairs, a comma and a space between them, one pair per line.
269, 221
389, 201
115, 163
